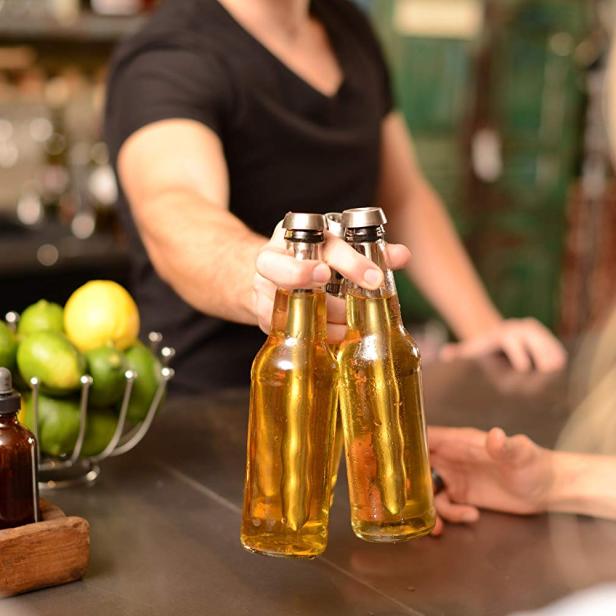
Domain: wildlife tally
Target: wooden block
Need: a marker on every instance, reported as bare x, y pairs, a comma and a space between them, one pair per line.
54, 551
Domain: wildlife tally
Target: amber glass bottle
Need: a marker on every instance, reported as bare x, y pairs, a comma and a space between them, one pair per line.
381, 403
18, 488
292, 417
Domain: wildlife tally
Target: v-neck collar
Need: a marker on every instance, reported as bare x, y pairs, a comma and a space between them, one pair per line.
333, 40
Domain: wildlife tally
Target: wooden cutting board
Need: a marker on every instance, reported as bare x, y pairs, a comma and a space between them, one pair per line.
51, 552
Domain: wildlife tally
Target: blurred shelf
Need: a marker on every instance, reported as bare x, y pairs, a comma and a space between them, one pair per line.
21, 251
87, 28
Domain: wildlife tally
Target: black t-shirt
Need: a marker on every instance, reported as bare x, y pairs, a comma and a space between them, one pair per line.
287, 146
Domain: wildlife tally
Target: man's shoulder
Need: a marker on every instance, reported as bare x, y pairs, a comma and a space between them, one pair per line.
188, 24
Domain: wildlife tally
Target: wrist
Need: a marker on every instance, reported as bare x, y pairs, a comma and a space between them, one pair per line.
483, 322
573, 487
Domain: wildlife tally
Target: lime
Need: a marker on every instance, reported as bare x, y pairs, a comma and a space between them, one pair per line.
8, 346
106, 366
58, 427
99, 313
53, 359
100, 429
144, 362
41, 317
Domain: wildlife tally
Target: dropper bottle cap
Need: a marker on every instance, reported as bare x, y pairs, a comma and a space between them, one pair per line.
10, 400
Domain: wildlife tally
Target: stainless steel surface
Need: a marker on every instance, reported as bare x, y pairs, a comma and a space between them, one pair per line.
298, 221
165, 526
357, 218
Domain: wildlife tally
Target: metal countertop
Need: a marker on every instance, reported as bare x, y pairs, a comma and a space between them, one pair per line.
165, 526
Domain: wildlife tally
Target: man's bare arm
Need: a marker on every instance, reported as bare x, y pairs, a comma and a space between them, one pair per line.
175, 177
442, 270
440, 267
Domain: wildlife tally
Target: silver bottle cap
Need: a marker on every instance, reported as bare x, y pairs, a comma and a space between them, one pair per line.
360, 217
294, 221
334, 224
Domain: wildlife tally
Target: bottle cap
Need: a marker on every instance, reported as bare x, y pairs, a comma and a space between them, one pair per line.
361, 217
334, 224
10, 400
294, 221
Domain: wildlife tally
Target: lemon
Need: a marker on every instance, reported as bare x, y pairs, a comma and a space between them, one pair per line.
40, 317
99, 313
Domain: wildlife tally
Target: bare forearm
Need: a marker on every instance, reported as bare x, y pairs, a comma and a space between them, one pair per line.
441, 267
584, 484
205, 254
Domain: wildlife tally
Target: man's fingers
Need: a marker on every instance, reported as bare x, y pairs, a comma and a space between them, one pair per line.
454, 512
516, 353
336, 310
264, 310
335, 333
345, 259
398, 256
481, 345
547, 353
290, 273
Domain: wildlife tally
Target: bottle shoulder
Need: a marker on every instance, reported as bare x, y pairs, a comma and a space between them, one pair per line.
287, 354
15, 436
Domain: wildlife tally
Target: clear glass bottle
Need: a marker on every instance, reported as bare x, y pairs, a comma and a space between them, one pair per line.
381, 403
18, 457
292, 417
335, 287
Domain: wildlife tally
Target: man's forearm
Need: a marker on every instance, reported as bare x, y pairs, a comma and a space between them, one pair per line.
583, 484
205, 254
441, 267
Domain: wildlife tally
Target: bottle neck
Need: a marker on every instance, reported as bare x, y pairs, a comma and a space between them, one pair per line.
9, 419
301, 313
369, 311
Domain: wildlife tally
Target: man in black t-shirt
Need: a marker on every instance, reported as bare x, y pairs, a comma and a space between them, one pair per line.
225, 114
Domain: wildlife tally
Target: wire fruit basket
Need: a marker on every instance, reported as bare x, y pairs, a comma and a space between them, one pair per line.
74, 469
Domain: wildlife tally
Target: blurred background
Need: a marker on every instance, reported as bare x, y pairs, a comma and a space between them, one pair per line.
504, 98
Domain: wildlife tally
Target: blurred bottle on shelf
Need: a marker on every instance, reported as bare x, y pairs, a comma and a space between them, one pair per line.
118, 7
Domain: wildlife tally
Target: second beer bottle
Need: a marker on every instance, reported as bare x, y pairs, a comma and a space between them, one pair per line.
390, 486
292, 417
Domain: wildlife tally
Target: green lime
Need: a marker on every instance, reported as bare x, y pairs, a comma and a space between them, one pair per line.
43, 316
106, 366
144, 362
53, 359
8, 347
100, 429
58, 424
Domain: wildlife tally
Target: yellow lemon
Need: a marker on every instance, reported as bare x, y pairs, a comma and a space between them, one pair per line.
101, 312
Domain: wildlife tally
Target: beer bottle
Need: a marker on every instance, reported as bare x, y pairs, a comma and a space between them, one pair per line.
292, 416
335, 288
381, 402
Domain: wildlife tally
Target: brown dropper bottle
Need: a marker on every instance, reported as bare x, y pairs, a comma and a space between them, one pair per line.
18, 461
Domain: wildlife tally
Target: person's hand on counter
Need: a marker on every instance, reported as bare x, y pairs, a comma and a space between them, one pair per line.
276, 268
490, 470
526, 342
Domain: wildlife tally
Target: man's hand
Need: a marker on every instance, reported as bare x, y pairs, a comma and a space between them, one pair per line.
490, 471
276, 268
527, 344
